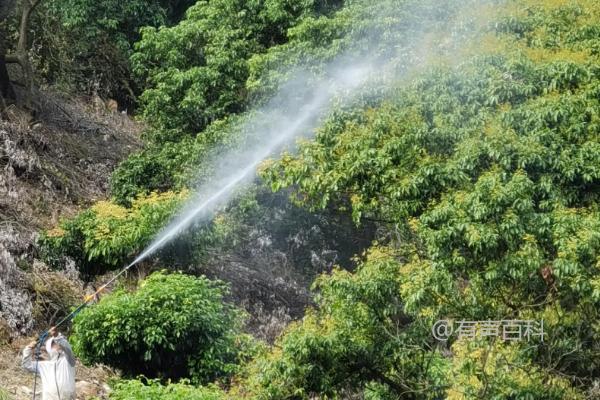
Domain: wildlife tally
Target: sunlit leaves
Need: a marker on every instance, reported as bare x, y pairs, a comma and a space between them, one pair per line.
107, 235
491, 171
494, 370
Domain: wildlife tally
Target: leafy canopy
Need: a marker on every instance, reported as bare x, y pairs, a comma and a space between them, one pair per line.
486, 173
195, 72
107, 235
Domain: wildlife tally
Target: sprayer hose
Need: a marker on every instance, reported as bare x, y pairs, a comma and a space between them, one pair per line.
91, 297
71, 315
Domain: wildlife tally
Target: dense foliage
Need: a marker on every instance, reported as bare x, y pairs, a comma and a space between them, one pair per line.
153, 390
195, 72
194, 78
171, 165
173, 326
360, 338
490, 173
106, 235
84, 45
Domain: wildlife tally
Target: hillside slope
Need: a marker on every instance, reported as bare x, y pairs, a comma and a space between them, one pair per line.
50, 168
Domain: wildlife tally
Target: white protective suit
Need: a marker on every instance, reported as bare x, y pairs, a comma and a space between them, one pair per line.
58, 373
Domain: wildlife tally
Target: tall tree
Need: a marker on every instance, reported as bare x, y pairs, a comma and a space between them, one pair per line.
21, 54
6, 91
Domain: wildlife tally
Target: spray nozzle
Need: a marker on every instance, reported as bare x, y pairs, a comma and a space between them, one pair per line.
40, 341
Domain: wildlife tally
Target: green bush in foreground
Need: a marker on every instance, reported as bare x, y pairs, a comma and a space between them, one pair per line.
174, 326
134, 390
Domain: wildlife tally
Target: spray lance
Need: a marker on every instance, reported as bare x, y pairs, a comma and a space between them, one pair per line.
86, 300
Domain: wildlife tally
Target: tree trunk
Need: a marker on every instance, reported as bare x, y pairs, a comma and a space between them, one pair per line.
22, 53
7, 93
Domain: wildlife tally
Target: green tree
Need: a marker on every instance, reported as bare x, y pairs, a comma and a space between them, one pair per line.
195, 72
85, 45
359, 340
486, 176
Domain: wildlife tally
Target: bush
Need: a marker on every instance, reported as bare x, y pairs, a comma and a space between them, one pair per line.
107, 235
174, 326
153, 390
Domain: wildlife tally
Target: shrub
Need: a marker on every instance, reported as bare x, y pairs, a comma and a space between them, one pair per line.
174, 326
107, 235
54, 295
153, 390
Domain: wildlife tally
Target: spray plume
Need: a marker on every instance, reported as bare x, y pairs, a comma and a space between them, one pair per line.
293, 112
273, 130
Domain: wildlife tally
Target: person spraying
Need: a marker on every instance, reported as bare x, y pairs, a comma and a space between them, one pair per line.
57, 373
